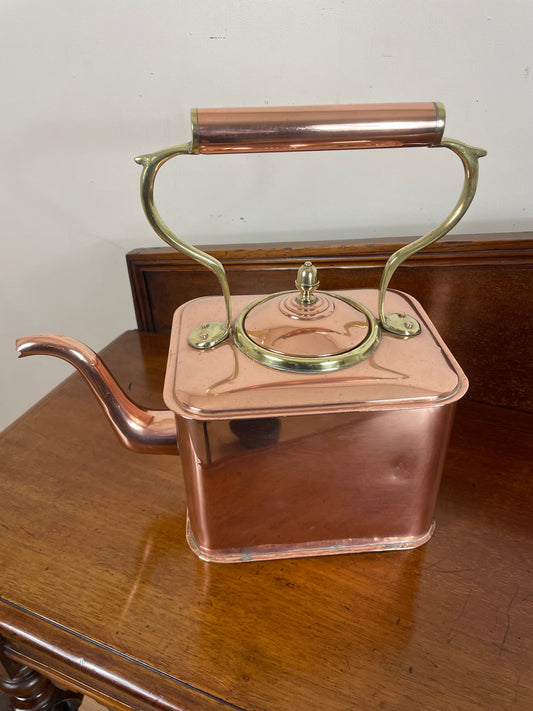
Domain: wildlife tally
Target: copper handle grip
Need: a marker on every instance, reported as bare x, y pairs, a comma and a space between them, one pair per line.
317, 128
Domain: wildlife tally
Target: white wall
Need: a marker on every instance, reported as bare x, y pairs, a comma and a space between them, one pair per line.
87, 85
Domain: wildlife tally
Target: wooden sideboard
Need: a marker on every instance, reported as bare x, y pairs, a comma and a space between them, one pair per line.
100, 595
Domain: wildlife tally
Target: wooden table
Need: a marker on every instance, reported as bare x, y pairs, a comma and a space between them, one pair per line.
100, 593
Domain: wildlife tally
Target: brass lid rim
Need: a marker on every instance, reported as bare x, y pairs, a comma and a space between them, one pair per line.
307, 364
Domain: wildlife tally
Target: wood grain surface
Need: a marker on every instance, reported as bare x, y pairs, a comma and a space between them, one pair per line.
99, 591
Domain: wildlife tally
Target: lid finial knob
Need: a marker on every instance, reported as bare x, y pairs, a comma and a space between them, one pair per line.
307, 282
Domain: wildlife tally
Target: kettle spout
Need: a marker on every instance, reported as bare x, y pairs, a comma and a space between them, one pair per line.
146, 431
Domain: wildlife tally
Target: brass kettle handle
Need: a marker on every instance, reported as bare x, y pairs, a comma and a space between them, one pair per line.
275, 129
209, 334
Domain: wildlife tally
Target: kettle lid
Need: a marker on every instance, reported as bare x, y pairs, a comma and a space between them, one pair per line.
306, 330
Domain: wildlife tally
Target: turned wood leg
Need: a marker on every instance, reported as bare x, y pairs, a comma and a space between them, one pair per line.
30, 691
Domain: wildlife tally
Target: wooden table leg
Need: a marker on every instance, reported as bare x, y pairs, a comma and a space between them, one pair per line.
28, 690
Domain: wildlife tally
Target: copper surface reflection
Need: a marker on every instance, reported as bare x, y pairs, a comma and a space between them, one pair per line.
158, 543
325, 327
308, 128
344, 482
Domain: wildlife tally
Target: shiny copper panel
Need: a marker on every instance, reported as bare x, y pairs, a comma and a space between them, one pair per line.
302, 485
314, 128
327, 326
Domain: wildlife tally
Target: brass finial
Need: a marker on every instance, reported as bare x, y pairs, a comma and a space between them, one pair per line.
307, 282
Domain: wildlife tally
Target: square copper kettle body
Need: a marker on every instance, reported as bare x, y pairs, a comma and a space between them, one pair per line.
280, 464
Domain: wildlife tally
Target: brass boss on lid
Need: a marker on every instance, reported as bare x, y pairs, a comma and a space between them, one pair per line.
309, 330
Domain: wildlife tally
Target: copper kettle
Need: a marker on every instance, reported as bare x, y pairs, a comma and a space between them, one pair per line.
313, 423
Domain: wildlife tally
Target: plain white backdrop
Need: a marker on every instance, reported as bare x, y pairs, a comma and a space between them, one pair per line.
87, 85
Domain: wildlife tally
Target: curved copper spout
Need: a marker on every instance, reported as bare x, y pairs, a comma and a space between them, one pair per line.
146, 431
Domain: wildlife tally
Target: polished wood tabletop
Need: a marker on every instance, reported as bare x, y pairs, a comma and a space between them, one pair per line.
100, 592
